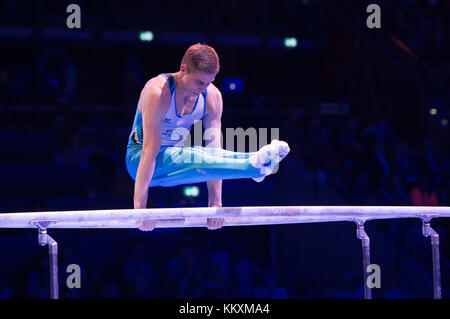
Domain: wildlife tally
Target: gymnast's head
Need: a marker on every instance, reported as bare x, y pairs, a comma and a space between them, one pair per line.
199, 67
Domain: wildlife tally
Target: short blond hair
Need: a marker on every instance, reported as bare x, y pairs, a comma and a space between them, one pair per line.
201, 57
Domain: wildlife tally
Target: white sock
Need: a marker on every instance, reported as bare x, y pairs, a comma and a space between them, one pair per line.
272, 153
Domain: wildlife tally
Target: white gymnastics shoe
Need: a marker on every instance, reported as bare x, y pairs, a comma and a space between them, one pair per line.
268, 157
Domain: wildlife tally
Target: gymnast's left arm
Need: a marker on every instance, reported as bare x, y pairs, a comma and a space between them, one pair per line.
212, 124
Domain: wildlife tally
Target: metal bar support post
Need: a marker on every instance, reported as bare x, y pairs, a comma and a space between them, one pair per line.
427, 231
45, 239
365, 241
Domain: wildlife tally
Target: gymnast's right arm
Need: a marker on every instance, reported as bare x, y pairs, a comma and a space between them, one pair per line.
154, 98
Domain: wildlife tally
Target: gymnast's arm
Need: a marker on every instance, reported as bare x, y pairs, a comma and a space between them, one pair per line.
155, 99
212, 123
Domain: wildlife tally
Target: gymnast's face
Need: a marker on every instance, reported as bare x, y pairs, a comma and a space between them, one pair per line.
195, 82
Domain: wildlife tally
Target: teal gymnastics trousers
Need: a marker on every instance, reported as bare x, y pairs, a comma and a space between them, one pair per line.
186, 165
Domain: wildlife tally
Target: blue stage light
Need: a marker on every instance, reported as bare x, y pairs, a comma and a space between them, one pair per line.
233, 85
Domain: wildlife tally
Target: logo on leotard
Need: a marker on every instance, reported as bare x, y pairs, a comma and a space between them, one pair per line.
134, 136
167, 133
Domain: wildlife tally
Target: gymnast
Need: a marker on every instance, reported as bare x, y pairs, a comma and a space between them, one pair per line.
168, 106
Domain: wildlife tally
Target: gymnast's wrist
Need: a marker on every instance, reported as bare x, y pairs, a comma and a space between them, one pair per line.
138, 204
215, 204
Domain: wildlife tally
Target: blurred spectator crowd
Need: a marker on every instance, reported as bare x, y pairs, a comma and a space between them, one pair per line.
269, 17
424, 27
369, 164
192, 272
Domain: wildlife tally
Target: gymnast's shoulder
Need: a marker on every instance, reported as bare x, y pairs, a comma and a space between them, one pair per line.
214, 101
155, 92
157, 84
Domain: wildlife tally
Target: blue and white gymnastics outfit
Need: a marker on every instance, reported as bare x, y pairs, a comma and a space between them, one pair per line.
177, 164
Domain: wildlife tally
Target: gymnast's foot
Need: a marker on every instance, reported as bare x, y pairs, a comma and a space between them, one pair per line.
268, 157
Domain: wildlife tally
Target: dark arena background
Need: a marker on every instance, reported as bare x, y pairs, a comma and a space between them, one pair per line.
365, 111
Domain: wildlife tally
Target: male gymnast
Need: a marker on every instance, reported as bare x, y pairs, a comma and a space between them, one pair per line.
168, 106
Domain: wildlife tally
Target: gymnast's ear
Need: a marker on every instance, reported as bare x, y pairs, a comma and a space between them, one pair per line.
184, 68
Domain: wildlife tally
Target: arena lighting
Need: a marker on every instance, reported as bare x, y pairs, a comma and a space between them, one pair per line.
233, 85
433, 111
146, 36
290, 42
233, 216
444, 122
191, 191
